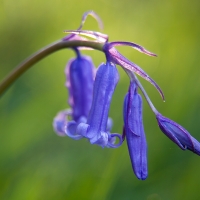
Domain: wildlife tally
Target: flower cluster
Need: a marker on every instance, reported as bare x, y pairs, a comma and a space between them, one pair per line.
90, 94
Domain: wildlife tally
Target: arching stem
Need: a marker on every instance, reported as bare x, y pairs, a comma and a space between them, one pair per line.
25, 65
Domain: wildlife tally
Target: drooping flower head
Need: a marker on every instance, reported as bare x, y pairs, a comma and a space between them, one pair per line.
79, 82
96, 129
80, 74
90, 101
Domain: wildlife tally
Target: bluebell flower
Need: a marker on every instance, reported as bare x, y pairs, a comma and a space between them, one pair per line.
90, 102
134, 131
80, 74
90, 94
96, 128
178, 134
79, 82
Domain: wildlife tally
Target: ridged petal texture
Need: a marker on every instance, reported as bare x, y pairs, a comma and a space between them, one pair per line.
178, 134
96, 128
134, 132
79, 73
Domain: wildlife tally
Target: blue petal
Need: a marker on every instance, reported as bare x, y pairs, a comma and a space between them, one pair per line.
98, 124
100, 139
82, 129
105, 82
70, 130
112, 140
63, 127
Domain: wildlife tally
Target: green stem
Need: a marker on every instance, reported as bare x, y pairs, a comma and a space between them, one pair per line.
25, 65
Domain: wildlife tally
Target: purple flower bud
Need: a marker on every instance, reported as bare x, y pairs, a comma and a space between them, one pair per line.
134, 132
96, 128
79, 74
178, 134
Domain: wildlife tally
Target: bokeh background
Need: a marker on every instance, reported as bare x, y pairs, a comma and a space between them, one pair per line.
37, 164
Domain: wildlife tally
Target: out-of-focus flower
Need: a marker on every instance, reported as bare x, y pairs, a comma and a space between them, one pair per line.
134, 131
80, 74
79, 81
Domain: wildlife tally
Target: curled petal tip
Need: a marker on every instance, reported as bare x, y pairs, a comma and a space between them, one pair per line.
70, 130
60, 121
112, 140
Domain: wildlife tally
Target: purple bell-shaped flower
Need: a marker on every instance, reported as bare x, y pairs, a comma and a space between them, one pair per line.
134, 132
96, 129
80, 74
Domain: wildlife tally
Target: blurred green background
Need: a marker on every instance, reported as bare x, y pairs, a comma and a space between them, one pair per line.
37, 164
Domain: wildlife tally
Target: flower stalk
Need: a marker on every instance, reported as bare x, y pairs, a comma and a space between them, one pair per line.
44, 52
